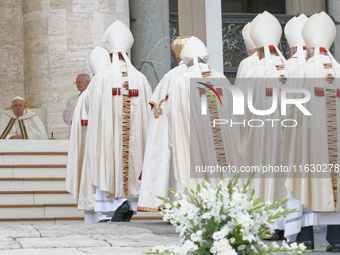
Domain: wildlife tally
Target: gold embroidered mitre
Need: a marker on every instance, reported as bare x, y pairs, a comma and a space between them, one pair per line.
177, 45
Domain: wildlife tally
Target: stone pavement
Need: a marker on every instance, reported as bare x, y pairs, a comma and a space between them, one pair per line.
121, 238
80, 238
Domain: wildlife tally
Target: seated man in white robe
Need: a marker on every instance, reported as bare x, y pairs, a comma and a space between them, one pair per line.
21, 123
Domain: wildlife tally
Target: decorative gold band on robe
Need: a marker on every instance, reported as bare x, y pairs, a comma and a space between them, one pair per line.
22, 129
332, 137
9, 127
148, 209
158, 110
216, 131
126, 137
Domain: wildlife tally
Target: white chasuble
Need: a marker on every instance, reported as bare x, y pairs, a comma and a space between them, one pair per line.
192, 139
29, 125
260, 141
246, 64
293, 63
78, 182
116, 132
315, 140
157, 175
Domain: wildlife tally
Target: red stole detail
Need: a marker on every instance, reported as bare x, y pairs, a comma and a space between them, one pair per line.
269, 92
320, 92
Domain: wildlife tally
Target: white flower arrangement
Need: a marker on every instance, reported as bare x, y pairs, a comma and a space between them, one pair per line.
223, 221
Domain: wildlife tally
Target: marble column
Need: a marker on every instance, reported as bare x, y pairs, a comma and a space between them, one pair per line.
334, 11
58, 37
308, 7
11, 52
151, 50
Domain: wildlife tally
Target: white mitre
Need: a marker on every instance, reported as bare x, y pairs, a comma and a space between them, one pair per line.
293, 33
99, 59
194, 48
246, 37
118, 40
266, 30
319, 31
290, 31
17, 97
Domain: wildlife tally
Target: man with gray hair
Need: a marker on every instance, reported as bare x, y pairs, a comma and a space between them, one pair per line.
82, 81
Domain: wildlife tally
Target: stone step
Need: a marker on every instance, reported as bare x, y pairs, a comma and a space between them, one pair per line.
39, 211
33, 158
32, 184
59, 220
22, 171
34, 145
35, 197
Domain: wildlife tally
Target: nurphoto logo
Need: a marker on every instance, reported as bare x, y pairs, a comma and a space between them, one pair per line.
239, 99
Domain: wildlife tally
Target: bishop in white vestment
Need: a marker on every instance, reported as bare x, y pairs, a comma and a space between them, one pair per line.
297, 45
262, 145
117, 122
79, 183
157, 175
315, 140
192, 139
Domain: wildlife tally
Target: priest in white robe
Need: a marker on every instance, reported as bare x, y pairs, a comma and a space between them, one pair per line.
262, 145
315, 140
21, 123
117, 125
260, 141
82, 81
297, 45
78, 182
192, 139
157, 175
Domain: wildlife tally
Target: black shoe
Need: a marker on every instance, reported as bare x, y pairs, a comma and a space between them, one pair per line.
121, 210
333, 248
309, 245
306, 237
127, 216
103, 221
